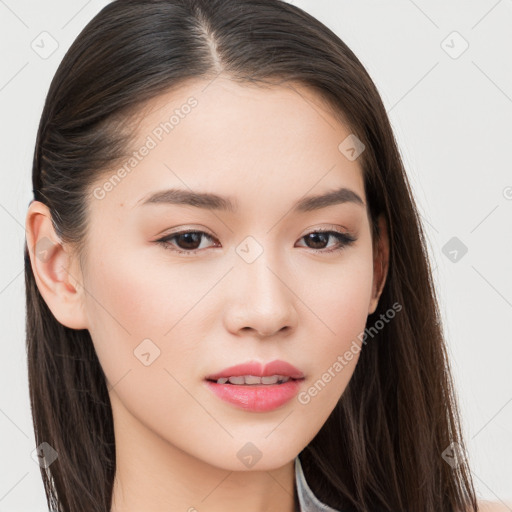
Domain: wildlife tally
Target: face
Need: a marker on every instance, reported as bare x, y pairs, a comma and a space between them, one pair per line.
261, 281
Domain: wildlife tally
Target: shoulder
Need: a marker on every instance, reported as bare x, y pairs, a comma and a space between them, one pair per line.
494, 506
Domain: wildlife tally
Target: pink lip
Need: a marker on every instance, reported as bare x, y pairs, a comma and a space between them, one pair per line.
257, 398
276, 367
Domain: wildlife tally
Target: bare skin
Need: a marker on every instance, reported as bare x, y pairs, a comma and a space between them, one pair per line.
178, 444
491, 506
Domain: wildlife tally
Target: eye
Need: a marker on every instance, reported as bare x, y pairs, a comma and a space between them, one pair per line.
319, 236
189, 242
188, 239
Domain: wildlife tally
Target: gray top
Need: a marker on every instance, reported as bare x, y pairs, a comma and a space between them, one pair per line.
308, 502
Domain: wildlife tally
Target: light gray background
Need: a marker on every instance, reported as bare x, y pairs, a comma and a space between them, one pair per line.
452, 117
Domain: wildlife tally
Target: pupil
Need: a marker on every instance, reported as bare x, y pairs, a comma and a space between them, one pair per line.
197, 237
313, 236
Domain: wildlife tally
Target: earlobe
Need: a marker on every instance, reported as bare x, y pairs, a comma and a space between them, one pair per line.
380, 264
55, 270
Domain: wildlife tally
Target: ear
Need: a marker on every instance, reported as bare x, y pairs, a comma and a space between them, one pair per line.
380, 263
57, 273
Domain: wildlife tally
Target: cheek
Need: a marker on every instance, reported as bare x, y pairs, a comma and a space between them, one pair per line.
338, 313
135, 317
338, 298
123, 308
136, 310
138, 296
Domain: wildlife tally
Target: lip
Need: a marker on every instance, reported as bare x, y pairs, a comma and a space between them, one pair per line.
276, 367
257, 398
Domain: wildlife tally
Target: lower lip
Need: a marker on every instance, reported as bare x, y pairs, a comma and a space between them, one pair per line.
256, 398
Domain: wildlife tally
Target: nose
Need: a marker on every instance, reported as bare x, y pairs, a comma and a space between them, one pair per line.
261, 298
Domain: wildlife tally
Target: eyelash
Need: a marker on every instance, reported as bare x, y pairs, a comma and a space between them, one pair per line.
344, 239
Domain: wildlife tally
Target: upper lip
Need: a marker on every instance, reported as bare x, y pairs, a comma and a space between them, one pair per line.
276, 367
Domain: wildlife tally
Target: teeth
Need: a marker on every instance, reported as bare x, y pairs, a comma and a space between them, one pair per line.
237, 380
253, 379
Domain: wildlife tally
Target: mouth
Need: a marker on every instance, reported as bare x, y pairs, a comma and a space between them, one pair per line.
254, 373
254, 387
254, 380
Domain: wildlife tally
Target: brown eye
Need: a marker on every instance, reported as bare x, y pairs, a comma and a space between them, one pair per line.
321, 237
188, 242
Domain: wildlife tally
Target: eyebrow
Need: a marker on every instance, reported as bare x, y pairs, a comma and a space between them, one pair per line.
210, 201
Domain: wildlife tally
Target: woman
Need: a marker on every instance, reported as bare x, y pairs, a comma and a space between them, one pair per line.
229, 300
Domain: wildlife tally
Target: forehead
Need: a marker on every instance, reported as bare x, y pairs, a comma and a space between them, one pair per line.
253, 112
257, 144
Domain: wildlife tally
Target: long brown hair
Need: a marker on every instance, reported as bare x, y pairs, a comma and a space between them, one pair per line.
383, 446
